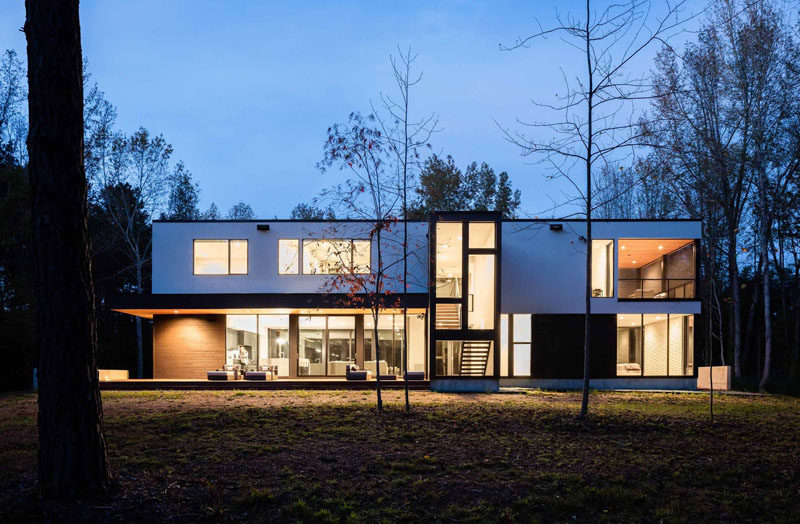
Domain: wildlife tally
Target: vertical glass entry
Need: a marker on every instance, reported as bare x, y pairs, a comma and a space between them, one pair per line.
465, 295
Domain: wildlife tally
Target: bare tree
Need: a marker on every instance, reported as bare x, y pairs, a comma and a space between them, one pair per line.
723, 124
373, 194
72, 449
13, 122
597, 123
405, 137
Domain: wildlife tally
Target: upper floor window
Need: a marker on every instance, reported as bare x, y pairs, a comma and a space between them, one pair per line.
288, 256
220, 257
656, 268
602, 268
449, 248
330, 257
481, 235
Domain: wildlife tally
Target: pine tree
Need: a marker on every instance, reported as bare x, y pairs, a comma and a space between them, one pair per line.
184, 195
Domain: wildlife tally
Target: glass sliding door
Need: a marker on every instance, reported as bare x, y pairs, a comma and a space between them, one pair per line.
326, 345
390, 339
341, 344
311, 346
273, 342
241, 341
390, 343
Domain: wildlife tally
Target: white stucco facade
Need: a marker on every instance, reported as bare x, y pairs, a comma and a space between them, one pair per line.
173, 255
542, 270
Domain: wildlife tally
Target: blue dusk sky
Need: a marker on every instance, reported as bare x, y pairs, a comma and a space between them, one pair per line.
246, 90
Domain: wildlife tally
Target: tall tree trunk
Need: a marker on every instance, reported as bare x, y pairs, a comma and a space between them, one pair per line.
767, 309
375, 315
736, 310
139, 341
72, 448
587, 329
751, 318
796, 341
405, 242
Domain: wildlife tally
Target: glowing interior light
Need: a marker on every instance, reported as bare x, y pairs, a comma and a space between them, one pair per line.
660, 247
175, 311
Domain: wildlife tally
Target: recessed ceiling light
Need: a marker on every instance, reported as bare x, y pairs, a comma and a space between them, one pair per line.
658, 318
660, 247
622, 247
622, 317
175, 311
634, 261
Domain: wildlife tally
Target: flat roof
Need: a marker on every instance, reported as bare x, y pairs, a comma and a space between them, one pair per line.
360, 220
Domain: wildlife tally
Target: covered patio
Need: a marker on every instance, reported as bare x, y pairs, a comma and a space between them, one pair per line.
279, 384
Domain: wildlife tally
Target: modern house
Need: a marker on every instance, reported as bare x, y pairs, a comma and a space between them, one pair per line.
491, 302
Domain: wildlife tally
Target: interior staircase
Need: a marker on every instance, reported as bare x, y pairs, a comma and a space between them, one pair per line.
475, 357
448, 316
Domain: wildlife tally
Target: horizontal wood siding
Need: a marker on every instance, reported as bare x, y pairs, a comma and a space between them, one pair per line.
187, 346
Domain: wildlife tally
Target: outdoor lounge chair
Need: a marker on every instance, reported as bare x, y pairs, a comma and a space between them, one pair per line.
415, 375
354, 374
256, 375
217, 375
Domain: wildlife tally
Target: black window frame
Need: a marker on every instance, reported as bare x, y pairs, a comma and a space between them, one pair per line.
228, 240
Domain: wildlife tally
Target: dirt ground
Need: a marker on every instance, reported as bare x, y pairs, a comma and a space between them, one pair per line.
327, 456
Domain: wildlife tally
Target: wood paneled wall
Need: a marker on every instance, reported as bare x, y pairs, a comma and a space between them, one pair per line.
187, 346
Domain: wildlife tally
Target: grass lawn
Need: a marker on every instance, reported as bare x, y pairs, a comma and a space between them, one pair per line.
327, 456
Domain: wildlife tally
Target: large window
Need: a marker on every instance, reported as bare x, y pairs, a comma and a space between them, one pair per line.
656, 269
449, 273
465, 358
602, 268
655, 345
330, 257
220, 257
288, 256
390, 342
